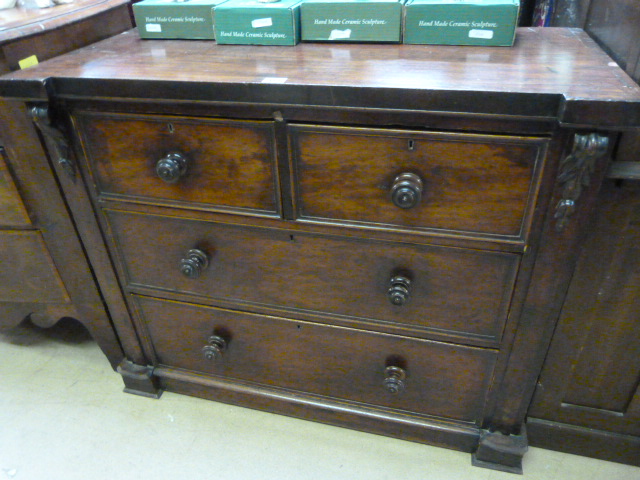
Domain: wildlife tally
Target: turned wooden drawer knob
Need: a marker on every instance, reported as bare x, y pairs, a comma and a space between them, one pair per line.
398, 292
214, 350
406, 191
394, 380
194, 263
172, 167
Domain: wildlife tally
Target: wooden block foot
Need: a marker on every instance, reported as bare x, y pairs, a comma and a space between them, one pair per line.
139, 379
501, 452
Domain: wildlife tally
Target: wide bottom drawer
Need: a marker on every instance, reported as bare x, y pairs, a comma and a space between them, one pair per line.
428, 377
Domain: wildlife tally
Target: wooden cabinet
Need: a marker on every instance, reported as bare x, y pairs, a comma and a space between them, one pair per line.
378, 237
28, 275
587, 399
44, 273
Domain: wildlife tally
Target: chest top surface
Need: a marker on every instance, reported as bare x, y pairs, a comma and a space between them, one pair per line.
550, 72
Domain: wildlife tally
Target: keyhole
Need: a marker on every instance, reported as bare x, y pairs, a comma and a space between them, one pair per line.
411, 145
170, 128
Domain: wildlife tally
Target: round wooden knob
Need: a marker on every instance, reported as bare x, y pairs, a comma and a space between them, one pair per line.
398, 292
394, 380
172, 167
214, 350
406, 191
194, 263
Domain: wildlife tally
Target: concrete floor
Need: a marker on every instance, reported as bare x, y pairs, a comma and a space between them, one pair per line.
63, 416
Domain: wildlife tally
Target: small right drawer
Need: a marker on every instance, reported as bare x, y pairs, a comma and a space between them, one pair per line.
477, 184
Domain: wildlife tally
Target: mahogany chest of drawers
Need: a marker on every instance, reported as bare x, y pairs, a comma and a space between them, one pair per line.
377, 237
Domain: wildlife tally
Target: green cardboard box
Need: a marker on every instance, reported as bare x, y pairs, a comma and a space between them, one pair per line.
352, 20
461, 22
252, 22
191, 19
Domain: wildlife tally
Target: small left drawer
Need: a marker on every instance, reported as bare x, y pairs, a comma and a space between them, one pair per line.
198, 162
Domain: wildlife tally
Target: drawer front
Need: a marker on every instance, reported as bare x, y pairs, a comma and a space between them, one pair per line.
213, 163
12, 210
27, 272
465, 183
451, 290
441, 379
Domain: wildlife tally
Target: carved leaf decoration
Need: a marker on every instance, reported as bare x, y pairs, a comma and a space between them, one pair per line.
576, 170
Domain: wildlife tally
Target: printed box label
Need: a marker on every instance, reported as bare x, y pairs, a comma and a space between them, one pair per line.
262, 22
486, 34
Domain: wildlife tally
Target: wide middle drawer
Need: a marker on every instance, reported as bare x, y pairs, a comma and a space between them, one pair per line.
448, 290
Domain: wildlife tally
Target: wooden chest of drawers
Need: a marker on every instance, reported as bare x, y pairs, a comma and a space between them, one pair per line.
374, 250
408, 327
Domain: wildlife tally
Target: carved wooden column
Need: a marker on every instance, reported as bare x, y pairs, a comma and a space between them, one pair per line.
135, 372
59, 147
580, 172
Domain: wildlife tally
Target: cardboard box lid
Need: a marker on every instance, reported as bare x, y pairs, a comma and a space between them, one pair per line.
172, 3
401, 2
237, 4
479, 3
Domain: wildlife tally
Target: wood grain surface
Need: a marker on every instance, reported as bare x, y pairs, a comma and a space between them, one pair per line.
548, 73
12, 210
28, 273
